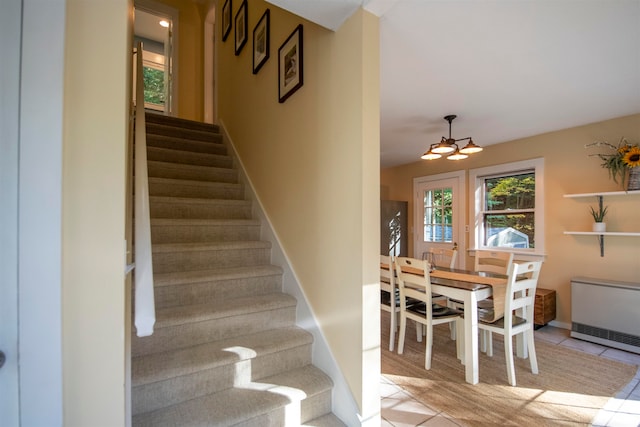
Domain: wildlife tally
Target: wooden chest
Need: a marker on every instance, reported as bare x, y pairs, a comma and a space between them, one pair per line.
545, 306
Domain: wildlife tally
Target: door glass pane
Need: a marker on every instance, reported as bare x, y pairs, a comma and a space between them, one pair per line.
438, 215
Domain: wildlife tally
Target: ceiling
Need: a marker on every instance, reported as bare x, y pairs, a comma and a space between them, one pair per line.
508, 69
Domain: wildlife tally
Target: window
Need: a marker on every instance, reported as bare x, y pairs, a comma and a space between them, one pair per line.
509, 206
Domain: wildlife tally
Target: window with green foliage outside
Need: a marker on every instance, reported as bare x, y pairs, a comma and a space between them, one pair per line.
153, 85
509, 210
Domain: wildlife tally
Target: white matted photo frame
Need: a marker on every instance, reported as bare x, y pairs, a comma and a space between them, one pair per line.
290, 69
226, 20
261, 42
241, 27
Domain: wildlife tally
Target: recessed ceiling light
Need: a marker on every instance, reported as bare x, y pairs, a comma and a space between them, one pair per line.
164, 24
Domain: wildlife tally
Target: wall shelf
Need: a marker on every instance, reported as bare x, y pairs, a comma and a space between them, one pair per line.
604, 194
601, 235
606, 233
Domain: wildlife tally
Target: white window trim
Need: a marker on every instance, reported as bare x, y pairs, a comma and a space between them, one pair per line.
476, 194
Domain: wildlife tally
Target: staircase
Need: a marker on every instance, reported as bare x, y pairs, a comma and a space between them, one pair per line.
225, 350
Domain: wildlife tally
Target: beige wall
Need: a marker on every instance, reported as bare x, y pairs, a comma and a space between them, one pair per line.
568, 169
95, 133
314, 163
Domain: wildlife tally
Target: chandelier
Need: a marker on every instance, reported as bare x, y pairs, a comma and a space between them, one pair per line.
449, 146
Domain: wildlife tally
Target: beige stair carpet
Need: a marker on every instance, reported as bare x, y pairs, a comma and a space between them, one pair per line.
225, 349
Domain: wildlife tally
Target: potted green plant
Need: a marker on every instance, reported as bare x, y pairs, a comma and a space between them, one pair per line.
598, 217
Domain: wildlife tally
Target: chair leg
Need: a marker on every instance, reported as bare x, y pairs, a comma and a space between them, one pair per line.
532, 352
458, 329
419, 332
428, 348
488, 340
452, 327
403, 328
392, 326
508, 355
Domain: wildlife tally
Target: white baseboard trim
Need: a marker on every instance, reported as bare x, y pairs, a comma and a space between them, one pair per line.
344, 405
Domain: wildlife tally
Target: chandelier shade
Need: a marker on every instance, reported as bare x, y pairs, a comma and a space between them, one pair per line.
450, 146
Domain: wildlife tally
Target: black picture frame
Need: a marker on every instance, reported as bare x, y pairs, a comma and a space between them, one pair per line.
226, 20
242, 22
261, 42
290, 65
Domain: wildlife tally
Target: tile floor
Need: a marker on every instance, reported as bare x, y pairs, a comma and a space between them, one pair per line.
399, 409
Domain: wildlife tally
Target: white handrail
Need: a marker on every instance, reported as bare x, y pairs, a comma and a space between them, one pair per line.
145, 311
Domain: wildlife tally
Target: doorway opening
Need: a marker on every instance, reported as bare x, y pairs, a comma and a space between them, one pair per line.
155, 27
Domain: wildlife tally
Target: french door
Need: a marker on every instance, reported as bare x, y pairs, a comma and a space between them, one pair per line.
439, 214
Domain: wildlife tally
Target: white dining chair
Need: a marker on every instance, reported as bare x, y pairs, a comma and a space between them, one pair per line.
518, 315
497, 262
416, 285
442, 257
389, 297
487, 261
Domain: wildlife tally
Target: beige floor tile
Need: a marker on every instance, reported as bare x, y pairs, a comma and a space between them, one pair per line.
405, 412
587, 347
439, 421
552, 334
622, 356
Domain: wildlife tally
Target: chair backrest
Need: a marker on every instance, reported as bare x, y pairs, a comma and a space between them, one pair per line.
413, 280
493, 261
387, 276
442, 257
521, 288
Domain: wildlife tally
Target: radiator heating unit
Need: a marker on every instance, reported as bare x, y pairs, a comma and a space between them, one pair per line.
606, 312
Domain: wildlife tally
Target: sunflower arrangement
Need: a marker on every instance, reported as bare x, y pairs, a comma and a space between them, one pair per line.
623, 158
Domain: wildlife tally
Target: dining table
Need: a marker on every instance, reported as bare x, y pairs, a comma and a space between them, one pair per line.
470, 287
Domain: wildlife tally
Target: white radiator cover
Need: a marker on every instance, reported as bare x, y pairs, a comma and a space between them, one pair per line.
606, 312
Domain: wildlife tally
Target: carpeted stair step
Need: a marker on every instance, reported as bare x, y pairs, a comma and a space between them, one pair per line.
174, 257
189, 158
194, 287
203, 230
180, 123
327, 420
185, 326
172, 143
182, 132
195, 208
197, 189
191, 172
168, 378
306, 393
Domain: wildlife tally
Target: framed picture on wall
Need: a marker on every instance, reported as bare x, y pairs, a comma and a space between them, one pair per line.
226, 20
241, 27
290, 76
261, 42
